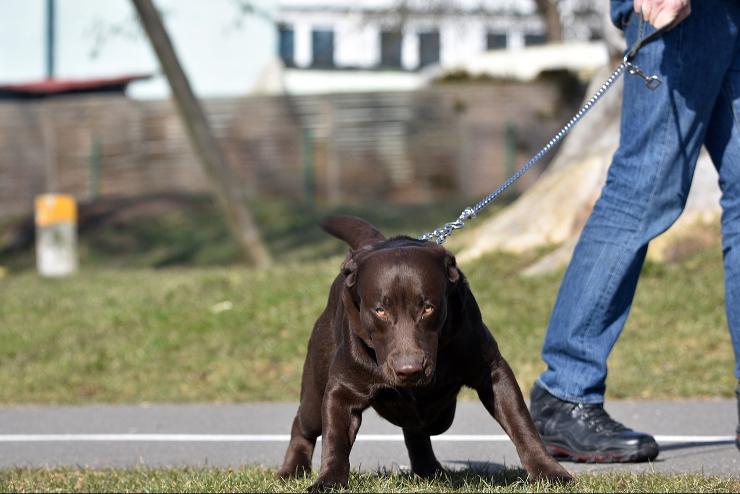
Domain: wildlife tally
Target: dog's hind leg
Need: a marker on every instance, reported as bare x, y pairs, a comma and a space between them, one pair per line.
423, 462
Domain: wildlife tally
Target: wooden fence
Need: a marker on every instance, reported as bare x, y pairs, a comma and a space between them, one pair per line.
406, 146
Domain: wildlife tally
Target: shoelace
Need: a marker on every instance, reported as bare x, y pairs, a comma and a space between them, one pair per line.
598, 418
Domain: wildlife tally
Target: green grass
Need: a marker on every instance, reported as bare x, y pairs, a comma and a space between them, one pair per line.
219, 332
234, 334
187, 231
261, 480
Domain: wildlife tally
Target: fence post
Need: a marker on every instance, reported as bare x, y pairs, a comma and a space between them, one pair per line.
510, 140
309, 164
94, 172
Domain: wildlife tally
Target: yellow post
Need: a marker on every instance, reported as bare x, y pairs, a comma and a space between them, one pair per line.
56, 235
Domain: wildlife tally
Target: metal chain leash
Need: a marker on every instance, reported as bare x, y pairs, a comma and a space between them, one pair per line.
652, 82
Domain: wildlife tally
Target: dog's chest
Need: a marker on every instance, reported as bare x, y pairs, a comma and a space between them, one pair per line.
418, 409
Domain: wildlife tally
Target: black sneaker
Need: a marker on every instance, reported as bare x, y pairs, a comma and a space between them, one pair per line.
586, 433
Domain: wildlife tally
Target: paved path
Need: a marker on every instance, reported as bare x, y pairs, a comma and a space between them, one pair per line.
695, 436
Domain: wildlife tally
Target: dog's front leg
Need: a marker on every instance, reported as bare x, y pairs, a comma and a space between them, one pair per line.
503, 399
341, 417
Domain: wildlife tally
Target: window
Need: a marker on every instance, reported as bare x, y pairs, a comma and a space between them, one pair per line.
535, 39
286, 44
390, 49
322, 41
428, 48
496, 41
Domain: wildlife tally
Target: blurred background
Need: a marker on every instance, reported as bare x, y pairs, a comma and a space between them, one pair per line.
201, 143
317, 103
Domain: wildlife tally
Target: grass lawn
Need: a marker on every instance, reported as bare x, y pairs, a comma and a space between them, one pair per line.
203, 328
163, 312
261, 480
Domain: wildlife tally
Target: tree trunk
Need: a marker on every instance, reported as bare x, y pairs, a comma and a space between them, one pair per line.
204, 143
548, 9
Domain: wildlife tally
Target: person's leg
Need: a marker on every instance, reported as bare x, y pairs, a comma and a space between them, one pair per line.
723, 144
646, 189
647, 185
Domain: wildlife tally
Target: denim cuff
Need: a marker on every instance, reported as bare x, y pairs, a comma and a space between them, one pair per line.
566, 397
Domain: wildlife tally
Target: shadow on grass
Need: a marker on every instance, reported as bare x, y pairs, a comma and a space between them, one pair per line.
472, 473
166, 230
490, 473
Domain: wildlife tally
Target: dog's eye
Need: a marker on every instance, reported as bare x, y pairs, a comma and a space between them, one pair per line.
381, 312
427, 310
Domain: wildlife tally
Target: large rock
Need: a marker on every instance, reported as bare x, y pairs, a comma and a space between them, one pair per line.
553, 211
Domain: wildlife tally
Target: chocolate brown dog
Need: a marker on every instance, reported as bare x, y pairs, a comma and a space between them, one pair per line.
401, 333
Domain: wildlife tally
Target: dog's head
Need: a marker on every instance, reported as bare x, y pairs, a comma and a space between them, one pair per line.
396, 296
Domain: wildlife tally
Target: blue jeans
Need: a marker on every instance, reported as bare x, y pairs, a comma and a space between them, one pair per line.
662, 132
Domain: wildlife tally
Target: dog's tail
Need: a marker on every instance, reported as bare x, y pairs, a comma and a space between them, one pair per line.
355, 231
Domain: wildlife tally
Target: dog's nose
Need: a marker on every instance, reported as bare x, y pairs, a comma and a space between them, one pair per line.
408, 368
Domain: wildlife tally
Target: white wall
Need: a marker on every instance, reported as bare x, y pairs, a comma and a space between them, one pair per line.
356, 43
357, 34
221, 58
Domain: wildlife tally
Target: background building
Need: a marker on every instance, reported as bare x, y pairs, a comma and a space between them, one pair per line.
232, 47
387, 34
372, 45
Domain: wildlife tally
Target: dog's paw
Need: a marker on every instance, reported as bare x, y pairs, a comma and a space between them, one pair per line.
554, 474
291, 473
428, 471
547, 469
327, 484
559, 478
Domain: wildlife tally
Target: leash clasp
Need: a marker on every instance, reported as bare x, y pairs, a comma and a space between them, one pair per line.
440, 234
651, 81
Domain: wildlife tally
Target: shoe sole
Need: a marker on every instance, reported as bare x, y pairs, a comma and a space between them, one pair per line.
562, 453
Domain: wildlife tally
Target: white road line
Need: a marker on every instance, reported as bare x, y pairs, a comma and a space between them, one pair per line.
258, 438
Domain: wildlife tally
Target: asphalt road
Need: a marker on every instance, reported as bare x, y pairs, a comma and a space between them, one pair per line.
695, 436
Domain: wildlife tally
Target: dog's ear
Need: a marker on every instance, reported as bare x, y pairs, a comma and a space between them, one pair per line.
349, 270
453, 274
353, 318
355, 231
351, 307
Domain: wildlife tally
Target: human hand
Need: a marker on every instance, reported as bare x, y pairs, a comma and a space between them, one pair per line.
661, 13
